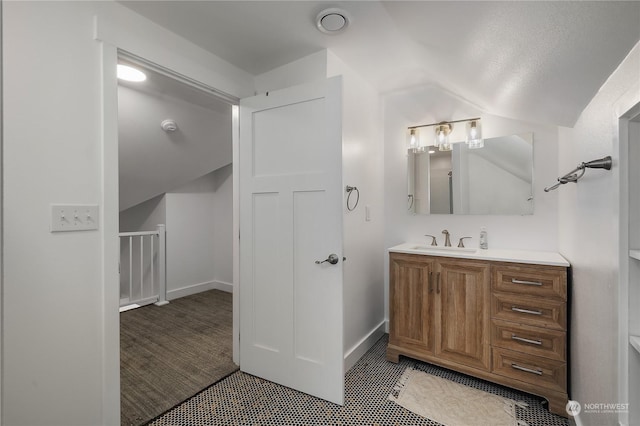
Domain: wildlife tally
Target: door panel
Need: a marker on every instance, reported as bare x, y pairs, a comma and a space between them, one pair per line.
412, 303
268, 290
285, 142
290, 217
464, 325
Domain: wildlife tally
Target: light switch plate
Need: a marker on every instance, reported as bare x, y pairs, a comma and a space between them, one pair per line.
74, 217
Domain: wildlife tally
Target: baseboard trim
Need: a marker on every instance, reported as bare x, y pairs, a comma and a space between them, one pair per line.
198, 288
223, 286
355, 353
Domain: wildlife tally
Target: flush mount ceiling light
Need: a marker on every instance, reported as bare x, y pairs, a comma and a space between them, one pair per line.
332, 21
127, 73
443, 130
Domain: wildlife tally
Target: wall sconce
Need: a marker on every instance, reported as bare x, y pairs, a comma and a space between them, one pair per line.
443, 131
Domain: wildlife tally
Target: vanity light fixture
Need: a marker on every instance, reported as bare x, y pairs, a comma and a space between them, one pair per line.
443, 131
127, 73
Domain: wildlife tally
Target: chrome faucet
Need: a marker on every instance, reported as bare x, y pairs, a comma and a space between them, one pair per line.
433, 240
461, 242
447, 241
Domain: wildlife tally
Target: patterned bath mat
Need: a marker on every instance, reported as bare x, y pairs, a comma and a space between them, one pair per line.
452, 404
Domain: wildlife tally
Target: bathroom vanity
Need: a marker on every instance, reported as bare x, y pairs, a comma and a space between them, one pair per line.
499, 315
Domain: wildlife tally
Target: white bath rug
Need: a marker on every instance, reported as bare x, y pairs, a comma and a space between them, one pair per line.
452, 404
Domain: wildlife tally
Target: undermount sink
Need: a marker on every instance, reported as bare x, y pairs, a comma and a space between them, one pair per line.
444, 249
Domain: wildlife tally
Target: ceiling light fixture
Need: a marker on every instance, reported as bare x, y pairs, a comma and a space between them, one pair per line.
332, 21
128, 73
443, 131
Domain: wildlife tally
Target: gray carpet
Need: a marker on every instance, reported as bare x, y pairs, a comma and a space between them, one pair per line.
242, 399
172, 352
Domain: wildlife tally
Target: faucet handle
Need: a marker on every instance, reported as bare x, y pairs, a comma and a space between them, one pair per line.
461, 242
433, 240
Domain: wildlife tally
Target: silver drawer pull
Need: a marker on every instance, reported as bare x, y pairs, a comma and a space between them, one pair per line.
525, 369
522, 339
525, 311
514, 281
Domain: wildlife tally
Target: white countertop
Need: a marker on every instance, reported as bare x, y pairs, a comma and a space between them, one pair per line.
500, 255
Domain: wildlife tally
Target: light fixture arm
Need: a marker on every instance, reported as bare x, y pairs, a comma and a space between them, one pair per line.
443, 123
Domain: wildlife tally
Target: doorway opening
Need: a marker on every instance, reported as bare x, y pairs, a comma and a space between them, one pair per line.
176, 239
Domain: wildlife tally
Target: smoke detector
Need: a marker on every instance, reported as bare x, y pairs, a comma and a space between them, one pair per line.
332, 21
169, 125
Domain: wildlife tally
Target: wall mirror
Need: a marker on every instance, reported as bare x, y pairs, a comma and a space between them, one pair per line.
496, 179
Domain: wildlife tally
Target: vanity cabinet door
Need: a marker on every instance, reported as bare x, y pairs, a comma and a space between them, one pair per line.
464, 315
412, 303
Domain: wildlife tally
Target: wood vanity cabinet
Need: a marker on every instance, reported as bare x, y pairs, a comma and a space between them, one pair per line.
499, 321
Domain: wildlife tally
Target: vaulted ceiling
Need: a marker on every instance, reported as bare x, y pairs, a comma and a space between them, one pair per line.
537, 61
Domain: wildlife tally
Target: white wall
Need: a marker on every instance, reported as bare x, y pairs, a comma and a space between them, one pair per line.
59, 344
151, 161
310, 68
144, 216
362, 161
588, 238
223, 227
192, 245
432, 104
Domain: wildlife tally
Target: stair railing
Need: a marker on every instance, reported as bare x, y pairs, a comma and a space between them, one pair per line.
144, 266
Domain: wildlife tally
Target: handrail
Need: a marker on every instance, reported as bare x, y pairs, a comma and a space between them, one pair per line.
136, 234
573, 176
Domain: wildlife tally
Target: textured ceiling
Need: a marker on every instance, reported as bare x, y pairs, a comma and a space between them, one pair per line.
538, 61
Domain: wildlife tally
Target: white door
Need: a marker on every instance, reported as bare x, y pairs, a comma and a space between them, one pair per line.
291, 217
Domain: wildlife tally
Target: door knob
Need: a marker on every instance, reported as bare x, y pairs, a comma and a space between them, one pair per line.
332, 259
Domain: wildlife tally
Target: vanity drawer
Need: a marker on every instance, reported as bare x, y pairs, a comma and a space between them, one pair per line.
529, 310
545, 281
542, 372
529, 339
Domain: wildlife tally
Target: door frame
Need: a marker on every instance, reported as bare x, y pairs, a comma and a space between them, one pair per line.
110, 51
626, 111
